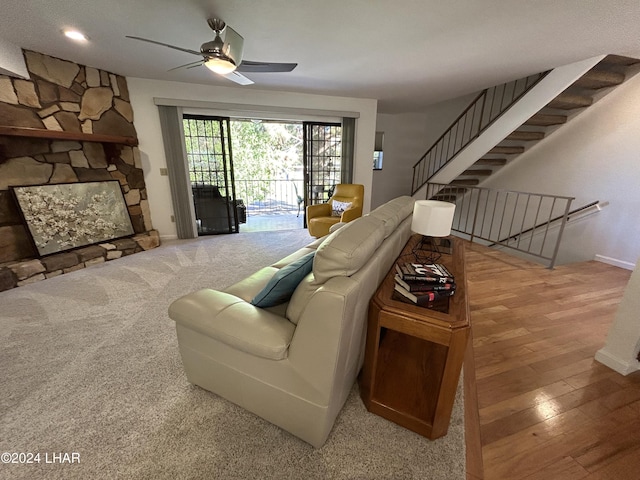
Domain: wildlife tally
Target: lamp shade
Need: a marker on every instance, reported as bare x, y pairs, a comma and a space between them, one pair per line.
432, 218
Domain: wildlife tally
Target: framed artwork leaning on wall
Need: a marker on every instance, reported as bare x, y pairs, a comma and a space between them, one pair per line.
69, 215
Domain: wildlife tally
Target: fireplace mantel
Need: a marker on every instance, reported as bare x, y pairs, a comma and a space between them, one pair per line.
60, 135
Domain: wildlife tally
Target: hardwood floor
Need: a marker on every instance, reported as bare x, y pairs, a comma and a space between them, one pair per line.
546, 408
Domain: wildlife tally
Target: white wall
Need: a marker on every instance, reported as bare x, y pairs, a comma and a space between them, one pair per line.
147, 123
407, 137
404, 143
596, 156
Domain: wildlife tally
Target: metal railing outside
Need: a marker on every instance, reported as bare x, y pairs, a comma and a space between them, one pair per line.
485, 109
530, 223
268, 196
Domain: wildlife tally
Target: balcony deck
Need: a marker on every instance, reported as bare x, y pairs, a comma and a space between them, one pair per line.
269, 221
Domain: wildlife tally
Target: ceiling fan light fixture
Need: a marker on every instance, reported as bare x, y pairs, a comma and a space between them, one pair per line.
220, 65
75, 35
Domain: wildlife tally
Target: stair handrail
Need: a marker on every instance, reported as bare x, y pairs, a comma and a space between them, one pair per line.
433, 160
552, 220
506, 218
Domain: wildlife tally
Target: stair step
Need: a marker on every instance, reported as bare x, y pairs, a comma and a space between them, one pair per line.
596, 79
526, 136
509, 150
445, 198
620, 60
492, 161
477, 172
568, 101
451, 190
468, 182
540, 119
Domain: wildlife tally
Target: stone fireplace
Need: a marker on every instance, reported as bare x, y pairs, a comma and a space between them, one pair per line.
67, 123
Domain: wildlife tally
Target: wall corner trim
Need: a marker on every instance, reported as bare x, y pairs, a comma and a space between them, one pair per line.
616, 363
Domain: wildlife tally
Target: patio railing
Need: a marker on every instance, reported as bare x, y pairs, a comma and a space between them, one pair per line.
270, 196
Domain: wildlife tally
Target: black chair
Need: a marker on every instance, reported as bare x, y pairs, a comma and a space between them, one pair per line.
213, 211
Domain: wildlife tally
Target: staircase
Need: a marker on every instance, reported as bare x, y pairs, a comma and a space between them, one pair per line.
499, 139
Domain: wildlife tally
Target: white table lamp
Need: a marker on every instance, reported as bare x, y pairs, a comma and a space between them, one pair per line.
432, 218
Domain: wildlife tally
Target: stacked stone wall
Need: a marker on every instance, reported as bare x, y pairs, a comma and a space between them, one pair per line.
64, 96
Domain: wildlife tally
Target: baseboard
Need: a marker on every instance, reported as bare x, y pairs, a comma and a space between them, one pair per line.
618, 364
615, 262
166, 238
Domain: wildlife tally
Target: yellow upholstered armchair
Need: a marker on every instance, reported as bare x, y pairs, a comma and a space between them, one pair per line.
344, 206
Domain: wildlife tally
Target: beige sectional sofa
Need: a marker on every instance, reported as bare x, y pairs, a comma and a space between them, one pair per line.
294, 364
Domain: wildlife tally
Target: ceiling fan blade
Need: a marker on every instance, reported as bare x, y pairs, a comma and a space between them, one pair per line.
234, 42
247, 66
165, 45
238, 78
188, 65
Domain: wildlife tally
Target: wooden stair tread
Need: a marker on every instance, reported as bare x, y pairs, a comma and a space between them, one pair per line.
525, 135
477, 172
467, 182
620, 60
569, 101
492, 161
596, 79
451, 190
540, 119
501, 149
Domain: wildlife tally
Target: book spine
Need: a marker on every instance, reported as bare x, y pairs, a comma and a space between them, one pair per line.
425, 304
421, 298
426, 279
434, 273
431, 287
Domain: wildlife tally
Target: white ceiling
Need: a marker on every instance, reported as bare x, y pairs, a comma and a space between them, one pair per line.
406, 53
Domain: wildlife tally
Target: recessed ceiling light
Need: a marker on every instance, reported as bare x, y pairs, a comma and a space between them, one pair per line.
75, 35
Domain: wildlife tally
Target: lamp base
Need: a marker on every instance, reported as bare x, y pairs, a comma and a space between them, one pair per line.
430, 249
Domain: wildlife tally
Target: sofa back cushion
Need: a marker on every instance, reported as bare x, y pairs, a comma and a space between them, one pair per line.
404, 204
389, 216
341, 253
347, 249
300, 298
394, 212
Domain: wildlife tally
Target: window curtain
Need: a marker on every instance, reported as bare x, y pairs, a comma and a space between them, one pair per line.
348, 147
176, 156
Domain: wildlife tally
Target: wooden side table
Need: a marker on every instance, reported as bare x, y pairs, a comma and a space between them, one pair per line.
414, 355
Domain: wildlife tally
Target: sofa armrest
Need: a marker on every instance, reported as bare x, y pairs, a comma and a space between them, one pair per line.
249, 287
318, 210
233, 321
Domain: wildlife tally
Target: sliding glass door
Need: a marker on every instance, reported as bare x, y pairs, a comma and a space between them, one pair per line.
322, 160
210, 164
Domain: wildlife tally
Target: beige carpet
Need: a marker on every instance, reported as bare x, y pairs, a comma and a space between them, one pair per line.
90, 365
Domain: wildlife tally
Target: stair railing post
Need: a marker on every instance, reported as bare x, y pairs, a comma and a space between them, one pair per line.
475, 215
564, 222
484, 101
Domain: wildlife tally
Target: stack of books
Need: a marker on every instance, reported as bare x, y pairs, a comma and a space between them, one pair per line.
423, 284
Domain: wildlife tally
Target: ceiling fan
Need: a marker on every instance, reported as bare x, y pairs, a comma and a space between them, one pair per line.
223, 55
